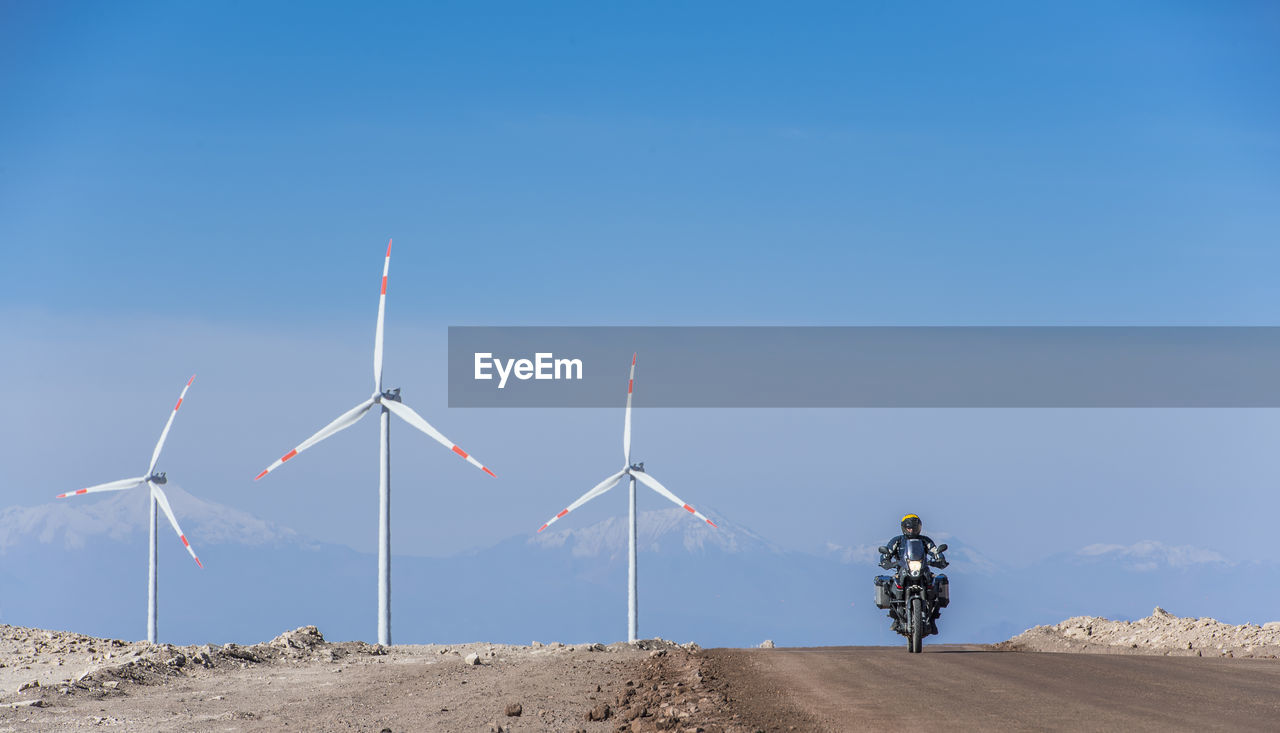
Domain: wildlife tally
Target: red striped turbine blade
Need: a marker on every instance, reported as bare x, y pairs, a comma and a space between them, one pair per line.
343, 421
595, 491
155, 454
163, 501
406, 413
121, 485
626, 422
652, 483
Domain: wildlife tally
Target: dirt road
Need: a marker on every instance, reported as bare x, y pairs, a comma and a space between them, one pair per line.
974, 688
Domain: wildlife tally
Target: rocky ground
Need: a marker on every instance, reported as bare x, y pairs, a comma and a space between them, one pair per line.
1160, 633
67, 682
61, 681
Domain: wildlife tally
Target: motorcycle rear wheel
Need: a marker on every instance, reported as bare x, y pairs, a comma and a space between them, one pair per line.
916, 640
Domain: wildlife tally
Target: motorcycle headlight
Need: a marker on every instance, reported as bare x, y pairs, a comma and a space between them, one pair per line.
914, 566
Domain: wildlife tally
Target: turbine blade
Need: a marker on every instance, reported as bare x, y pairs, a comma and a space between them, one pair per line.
599, 489
344, 421
155, 454
163, 501
626, 425
652, 483
377, 338
121, 485
407, 414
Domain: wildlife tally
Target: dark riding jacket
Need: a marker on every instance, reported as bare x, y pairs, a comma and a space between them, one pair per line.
891, 560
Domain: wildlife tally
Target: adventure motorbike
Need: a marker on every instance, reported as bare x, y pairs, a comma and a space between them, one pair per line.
914, 595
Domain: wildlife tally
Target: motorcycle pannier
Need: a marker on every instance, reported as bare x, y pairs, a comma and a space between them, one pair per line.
882, 591
942, 587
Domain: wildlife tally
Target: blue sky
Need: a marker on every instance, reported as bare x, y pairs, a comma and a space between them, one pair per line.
208, 187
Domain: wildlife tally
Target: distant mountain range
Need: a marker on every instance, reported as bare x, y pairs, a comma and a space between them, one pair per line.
82, 566
120, 516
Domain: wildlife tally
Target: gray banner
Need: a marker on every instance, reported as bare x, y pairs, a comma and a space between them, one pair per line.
866, 366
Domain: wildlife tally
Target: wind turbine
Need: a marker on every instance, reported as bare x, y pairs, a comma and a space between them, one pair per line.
153, 480
389, 401
636, 472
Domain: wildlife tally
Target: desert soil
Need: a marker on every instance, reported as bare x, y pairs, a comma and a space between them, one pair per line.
60, 681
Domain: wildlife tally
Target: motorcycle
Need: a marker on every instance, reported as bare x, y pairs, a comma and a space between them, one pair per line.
914, 595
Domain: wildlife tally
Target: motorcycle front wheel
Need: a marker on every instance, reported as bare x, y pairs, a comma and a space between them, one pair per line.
916, 640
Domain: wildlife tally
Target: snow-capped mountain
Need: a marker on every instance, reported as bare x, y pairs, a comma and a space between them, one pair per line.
663, 530
121, 515
1150, 555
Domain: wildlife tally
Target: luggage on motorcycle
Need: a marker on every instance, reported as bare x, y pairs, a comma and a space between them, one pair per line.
883, 594
942, 590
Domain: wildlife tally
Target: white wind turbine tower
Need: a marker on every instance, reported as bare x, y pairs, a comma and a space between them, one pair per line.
153, 480
636, 472
389, 401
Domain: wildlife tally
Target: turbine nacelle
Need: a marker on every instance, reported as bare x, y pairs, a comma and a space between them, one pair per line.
158, 478
637, 467
391, 395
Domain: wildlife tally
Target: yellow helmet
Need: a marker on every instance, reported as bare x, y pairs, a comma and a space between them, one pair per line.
911, 524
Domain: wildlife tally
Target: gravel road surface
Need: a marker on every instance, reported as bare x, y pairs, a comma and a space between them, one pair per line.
976, 688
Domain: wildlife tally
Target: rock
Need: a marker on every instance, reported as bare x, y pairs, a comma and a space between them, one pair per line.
238, 652
303, 637
1271, 626
111, 684
471, 659
29, 685
177, 661
36, 703
600, 712
766, 644
514, 710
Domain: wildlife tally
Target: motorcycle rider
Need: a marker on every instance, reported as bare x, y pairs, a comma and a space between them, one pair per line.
911, 530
